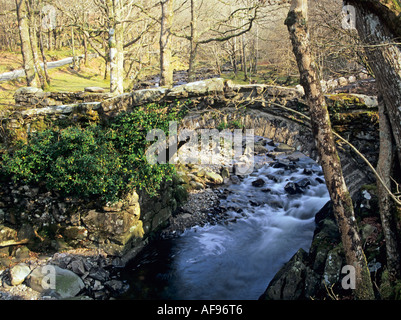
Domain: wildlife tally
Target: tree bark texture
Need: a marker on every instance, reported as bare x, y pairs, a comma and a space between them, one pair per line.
384, 168
166, 70
377, 29
329, 159
34, 45
116, 47
384, 57
26, 50
193, 44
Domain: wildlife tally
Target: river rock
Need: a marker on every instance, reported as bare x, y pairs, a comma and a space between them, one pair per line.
214, 177
281, 164
342, 81
303, 183
291, 188
259, 149
77, 266
115, 286
258, 183
18, 273
282, 147
225, 173
235, 180
332, 270
65, 283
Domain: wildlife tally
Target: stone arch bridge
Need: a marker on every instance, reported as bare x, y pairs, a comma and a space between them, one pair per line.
269, 110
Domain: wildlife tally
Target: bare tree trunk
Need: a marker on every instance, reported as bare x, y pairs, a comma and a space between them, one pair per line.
329, 160
74, 60
234, 55
116, 49
166, 71
85, 43
244, 58
26, 49
34, 45
42, 51
193, 44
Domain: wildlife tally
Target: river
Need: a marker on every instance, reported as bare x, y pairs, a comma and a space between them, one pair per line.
236, 258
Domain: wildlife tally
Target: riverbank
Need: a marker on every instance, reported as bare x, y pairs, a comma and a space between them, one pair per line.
309, 274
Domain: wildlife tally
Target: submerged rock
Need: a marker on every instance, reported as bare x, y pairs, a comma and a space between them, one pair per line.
258, 183
282, 147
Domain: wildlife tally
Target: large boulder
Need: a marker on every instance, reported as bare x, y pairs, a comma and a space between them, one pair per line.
51, 279
289, 282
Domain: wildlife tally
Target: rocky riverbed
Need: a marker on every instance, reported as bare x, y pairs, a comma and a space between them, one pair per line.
92, 274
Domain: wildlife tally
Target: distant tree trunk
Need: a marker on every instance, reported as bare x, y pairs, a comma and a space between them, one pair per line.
34, 45
26, 50
42, 51
244, 58
74, 58
166, 70
50, 41
85, 43
193, 44
234, 57
116, 47
329, 160
255, 68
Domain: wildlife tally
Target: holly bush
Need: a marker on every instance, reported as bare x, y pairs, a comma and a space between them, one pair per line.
102, 161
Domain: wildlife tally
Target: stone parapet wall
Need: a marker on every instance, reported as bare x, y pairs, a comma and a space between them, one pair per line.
27, 98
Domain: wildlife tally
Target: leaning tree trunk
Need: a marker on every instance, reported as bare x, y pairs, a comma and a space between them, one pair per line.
166, 70
329, 159
26, 49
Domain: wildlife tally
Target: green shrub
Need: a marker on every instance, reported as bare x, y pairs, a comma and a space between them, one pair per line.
96, 161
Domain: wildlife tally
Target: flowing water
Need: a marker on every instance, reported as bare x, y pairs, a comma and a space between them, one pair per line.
237, 258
